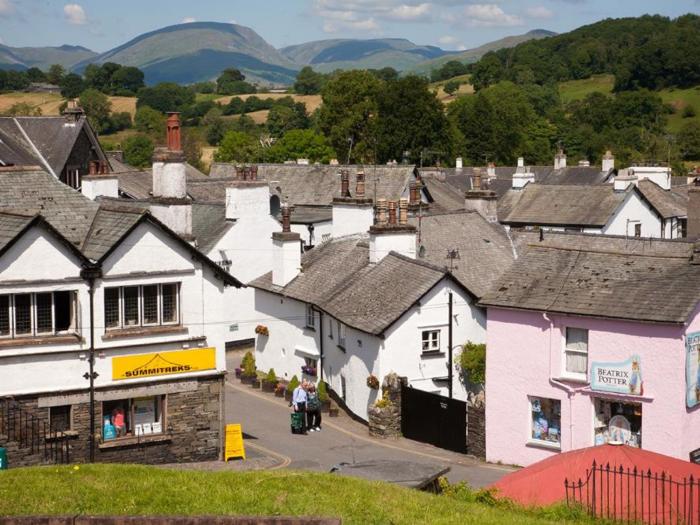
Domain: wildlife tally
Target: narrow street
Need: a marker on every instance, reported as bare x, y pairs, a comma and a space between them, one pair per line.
265, 421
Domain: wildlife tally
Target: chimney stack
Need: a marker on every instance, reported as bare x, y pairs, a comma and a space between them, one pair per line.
392, 213
623, 179
360, 185
403, 212
484, 202
99, 182
286, 245
560, 160
381, 212
351, 215
459, 163
521, 162
608, 162
174, 139
477, 179
491, 170
394, 234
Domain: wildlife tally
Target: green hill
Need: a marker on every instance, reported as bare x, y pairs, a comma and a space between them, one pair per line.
199, 51
139, 490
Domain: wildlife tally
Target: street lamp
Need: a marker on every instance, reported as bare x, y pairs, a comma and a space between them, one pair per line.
90, 274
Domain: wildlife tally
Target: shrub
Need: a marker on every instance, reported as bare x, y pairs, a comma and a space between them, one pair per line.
373, 382
138, 151
293, 383
689, 111
472, 362
451, 87
271, 377
383, 402
248, 364
322, 392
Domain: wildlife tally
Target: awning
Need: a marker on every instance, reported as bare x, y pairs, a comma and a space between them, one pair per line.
305, 352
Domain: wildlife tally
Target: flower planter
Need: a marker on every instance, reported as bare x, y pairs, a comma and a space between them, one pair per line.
333, 412
325, 406
238, 372
247, 380
255, 383
280, 392
269, 387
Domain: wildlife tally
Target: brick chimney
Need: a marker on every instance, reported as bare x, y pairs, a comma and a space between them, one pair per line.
174, 139
351, 215
99, 182
476, 180
392, 234
286, 245
608, 162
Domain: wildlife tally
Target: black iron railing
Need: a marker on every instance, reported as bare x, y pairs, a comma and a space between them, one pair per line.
32, 434
633, 496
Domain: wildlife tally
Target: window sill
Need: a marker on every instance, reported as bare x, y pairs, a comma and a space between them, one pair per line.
132, 440
549, 445
431, 354
66, 434
143, 331
40, 340
341, 348
583, 380
310, 328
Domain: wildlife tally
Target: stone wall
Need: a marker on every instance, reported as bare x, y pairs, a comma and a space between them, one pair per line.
476, 430
192, 429
385, 415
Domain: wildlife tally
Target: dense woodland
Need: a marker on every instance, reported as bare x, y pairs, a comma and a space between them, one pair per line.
381, 115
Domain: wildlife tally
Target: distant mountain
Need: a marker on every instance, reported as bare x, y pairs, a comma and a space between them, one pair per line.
42, 57
329, 55
199, 51
472, 55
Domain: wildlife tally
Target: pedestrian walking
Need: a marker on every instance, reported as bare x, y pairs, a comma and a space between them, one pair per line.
299, 398
313, 410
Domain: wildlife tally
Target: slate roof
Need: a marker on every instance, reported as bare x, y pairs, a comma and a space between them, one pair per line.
539, 204
484, 248
602, 276
11, 225
668, 203
310, 214
138, 184
319, 184
209, 224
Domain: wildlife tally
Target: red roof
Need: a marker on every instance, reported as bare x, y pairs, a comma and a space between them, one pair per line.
543, 482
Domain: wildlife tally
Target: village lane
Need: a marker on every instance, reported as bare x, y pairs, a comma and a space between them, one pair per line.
265, 421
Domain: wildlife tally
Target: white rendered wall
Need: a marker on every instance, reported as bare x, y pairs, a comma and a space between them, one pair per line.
170, 180
251, 201
350, 219
401, 242
658, 174
100, 187
286, 261
633, 210
177, 217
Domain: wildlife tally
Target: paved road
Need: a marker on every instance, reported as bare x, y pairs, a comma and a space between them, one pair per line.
265, 421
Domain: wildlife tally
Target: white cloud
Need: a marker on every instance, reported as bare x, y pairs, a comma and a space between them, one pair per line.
7, 8
75, 14
489, 15
539, 11
188, 20
448, 40
410, 13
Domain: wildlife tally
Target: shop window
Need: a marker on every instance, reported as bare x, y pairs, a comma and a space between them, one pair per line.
431, 341
545, 421
140, 416
147, 305
576, 352
60, 418
617, 422
38, 314
310, 317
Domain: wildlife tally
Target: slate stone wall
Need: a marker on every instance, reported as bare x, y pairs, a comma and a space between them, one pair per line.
476, 430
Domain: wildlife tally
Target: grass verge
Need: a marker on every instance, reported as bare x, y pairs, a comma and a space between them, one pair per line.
141, 490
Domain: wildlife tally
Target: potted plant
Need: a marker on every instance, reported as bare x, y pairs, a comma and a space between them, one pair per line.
256, 382
293, 383
323, 397
248, 374
262, 330
280, 390
270, 381
373, 382
333, 411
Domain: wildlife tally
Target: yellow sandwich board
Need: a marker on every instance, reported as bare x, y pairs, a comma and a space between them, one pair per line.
234, 442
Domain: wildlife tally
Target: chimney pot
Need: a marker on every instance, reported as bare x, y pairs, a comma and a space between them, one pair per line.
103, 167
173, 133
381, 211
403, 212
93, 167
392, 213
360, 186
344, 183
286, 222
477, 178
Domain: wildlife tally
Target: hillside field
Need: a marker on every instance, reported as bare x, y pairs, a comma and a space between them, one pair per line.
140, 490
49, 104
579, 89
464, 89
313, 102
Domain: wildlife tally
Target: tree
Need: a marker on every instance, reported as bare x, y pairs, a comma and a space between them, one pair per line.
56, 74
309, 82
166, 96
282, 118
72, 86
451, 69
385, 74
232, 82
472, 362
689, 140
97, 107
451, 87
148, 120
349, 113
34, 74
126, 81
237, 146
138, 151
119, 121
22, 109
301, 144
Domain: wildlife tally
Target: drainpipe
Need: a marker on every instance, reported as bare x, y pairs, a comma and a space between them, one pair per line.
320, 343
449, 346
89, 274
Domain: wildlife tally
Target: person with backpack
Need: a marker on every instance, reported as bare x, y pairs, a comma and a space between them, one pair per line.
313, 409
299, 400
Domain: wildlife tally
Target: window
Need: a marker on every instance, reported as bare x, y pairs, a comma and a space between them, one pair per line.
330, 328
60, 418
431, 340
341, 335
683, 228
310, 317
133, 417
545, 421
576, 352
638, 230
147, 305
617, 423
37, 314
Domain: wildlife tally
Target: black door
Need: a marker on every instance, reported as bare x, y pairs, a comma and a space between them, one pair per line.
431, 418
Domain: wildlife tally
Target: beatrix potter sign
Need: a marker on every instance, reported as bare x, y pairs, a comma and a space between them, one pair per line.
622, 378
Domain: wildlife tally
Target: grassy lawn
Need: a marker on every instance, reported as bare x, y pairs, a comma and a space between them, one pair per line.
679, 99
140, 490
578, 89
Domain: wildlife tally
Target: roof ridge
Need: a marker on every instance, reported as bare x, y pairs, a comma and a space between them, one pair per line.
604, 252
417, 262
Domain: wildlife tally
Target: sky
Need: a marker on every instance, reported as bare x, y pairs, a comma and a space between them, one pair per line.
451, 24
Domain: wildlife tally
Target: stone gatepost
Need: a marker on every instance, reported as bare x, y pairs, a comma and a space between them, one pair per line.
385, 413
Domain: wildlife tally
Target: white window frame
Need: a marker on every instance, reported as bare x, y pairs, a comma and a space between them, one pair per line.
33, 316
433, 345
341, 335
310, 317
565, 373
121, 305
330, 327
541, 442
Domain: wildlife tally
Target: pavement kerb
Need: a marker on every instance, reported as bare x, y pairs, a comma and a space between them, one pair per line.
368, 439
284, 460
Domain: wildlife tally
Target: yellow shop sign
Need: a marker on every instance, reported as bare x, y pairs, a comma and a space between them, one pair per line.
163, 363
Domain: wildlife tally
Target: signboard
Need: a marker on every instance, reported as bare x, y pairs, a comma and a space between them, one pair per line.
163, 363
695, 456
692, 369
234, 442
621, 378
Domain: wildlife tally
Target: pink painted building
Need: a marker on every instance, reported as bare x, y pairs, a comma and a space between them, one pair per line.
590, 340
